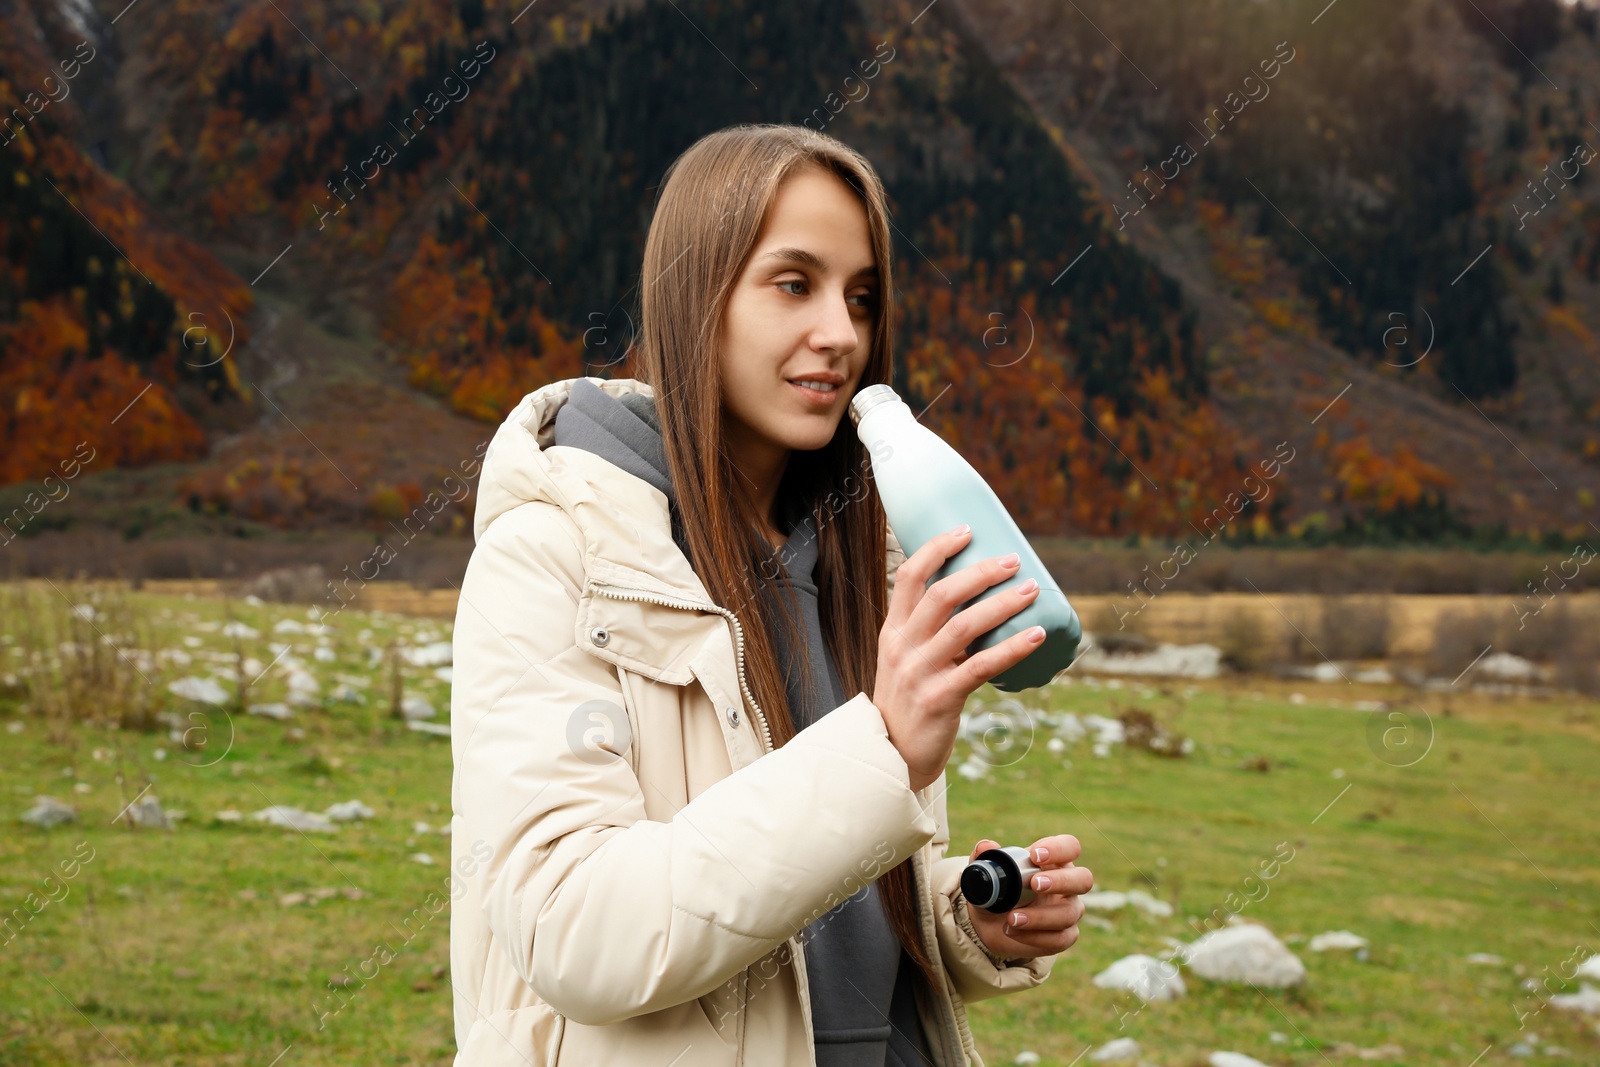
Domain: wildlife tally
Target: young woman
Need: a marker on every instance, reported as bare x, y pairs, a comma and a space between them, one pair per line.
703, 702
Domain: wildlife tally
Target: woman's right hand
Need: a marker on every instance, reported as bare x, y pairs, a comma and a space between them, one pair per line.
924, 672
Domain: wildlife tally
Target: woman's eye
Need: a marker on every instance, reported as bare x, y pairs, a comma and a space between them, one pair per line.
792, 281
868, 300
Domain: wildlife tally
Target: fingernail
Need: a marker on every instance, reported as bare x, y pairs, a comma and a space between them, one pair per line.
1036, 634
1010, 560
962, 530
1041, 884
1018, 919
1027, 587
1040, 854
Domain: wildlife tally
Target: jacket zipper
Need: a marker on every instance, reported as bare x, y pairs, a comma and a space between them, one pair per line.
645, 595
618, 593
698, 605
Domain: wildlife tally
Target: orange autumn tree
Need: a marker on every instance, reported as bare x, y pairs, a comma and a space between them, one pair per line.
1060, 459
1381, 483
442, 320
120, 315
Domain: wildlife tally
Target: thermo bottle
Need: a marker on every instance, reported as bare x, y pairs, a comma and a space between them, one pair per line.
999, 879
928, 489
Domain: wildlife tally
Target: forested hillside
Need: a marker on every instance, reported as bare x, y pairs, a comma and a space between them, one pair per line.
1141, 251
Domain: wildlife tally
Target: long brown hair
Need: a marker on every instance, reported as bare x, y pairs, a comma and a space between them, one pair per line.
709, 212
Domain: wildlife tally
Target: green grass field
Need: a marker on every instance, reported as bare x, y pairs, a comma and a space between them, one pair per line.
176, 948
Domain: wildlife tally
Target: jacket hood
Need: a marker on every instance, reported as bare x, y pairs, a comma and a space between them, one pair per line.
627, 520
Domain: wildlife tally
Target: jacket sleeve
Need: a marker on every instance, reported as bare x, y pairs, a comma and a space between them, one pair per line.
972, 971
604, 913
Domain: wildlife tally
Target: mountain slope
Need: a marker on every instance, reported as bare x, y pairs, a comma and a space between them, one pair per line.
1117, 332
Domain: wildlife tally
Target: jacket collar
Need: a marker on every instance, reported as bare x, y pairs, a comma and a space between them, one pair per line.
626, 520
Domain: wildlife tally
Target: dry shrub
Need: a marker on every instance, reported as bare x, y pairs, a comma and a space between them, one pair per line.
1243, 640
83, 656
1117, 632
1355, 627
1459, 638
1141, 729
1560, 637
304, 584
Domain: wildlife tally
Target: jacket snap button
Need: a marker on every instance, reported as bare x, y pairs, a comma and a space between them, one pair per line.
733, 716
600, 635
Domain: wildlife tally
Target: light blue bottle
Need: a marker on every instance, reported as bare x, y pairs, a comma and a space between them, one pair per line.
928, 489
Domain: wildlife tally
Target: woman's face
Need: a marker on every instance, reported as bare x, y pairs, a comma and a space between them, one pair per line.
805, 305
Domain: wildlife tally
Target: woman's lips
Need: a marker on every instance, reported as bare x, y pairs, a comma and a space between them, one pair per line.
816, 397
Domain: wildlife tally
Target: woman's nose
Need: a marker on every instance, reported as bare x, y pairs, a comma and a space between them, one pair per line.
837, 329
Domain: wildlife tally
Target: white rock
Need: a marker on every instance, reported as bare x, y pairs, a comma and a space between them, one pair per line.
1144, 976
289, 626
1104, 900
1246, 953
1056, 746
422, 858
1106, 731
1506, 667
973, 769
85, 612
446, 675
204, 690
1171, 661
324, 654
1589, 968
238, 629
1585, 1000
417, 706
1149, 904
303, 681
228, 816
1071, 729
421, 828
273, 710
1097, 922
146, 812
1233, 1059
348, 811
1337, 941
295, 819
1487, 959
347, 694
48, 812
1123, 1048
1026, 1057
432, 655
437, 729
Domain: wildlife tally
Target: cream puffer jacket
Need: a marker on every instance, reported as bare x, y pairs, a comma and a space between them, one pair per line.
632, 862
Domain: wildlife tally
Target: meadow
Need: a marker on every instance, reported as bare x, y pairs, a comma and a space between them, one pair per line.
226, 940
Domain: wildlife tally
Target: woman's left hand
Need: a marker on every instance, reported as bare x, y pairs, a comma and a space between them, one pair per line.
1050, 923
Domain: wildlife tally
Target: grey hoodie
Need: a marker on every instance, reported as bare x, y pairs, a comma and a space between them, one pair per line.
862, 982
